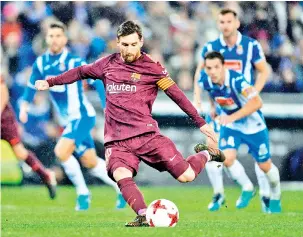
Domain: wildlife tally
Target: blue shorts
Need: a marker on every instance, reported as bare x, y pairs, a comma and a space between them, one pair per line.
79, 131
258, 143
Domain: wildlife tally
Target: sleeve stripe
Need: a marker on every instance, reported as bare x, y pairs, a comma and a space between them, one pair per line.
165, 83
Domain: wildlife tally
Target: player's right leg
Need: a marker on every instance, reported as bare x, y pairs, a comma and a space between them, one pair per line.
64, 150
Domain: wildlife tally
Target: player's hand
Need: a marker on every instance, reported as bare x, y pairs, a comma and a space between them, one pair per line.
210, 133
225, 119
41, 85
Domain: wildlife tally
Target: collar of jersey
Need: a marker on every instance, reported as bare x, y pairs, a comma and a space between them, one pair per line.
239, 39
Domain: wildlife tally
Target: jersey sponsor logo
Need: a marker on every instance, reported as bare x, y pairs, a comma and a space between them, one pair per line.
119, 88
226, 103
235, 65
135, 77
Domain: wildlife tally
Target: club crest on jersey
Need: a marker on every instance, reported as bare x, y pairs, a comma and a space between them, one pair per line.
239, 49
62, 67
135, 77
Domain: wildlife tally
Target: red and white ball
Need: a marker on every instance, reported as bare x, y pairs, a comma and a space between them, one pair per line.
162, 213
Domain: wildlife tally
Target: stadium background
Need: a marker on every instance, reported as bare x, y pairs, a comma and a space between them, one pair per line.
174, 35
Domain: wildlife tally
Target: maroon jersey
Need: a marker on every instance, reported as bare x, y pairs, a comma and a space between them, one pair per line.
131, 89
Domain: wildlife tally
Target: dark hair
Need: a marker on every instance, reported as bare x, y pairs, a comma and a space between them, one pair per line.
213, 55
228, 10
128, 28
58, 24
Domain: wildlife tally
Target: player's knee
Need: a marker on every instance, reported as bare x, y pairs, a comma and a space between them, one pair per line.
265, 166
188, 176
121, 173
229, 161
61, 154
89, 159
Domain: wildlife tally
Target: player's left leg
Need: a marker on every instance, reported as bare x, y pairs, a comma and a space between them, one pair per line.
273, 176
264, 188
259, 148
230, 140
97, 167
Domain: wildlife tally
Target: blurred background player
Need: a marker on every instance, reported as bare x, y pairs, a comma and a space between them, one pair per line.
9, 133
132, 81
75, 113
241, 120
244, 55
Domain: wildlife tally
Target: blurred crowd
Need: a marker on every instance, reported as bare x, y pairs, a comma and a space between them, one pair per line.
174, 34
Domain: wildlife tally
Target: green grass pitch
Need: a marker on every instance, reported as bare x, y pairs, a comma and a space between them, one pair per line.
27, 211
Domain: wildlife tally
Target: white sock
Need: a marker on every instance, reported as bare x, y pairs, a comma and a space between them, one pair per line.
74, 173
264, 187
237, 173
274, 181
215, 175
101, 173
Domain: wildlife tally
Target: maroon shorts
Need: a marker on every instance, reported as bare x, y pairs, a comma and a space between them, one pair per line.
153, 149
9, 126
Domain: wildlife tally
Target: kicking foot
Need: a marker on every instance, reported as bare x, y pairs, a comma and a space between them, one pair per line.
215, 154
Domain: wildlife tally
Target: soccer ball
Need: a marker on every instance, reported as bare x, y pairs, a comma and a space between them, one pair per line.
162, 213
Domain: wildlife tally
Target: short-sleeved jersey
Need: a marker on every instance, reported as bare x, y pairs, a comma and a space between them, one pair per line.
241, 58
232, 96
131, 90
69, 100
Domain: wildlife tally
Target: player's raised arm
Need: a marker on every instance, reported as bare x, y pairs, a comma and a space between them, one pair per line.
177, 95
